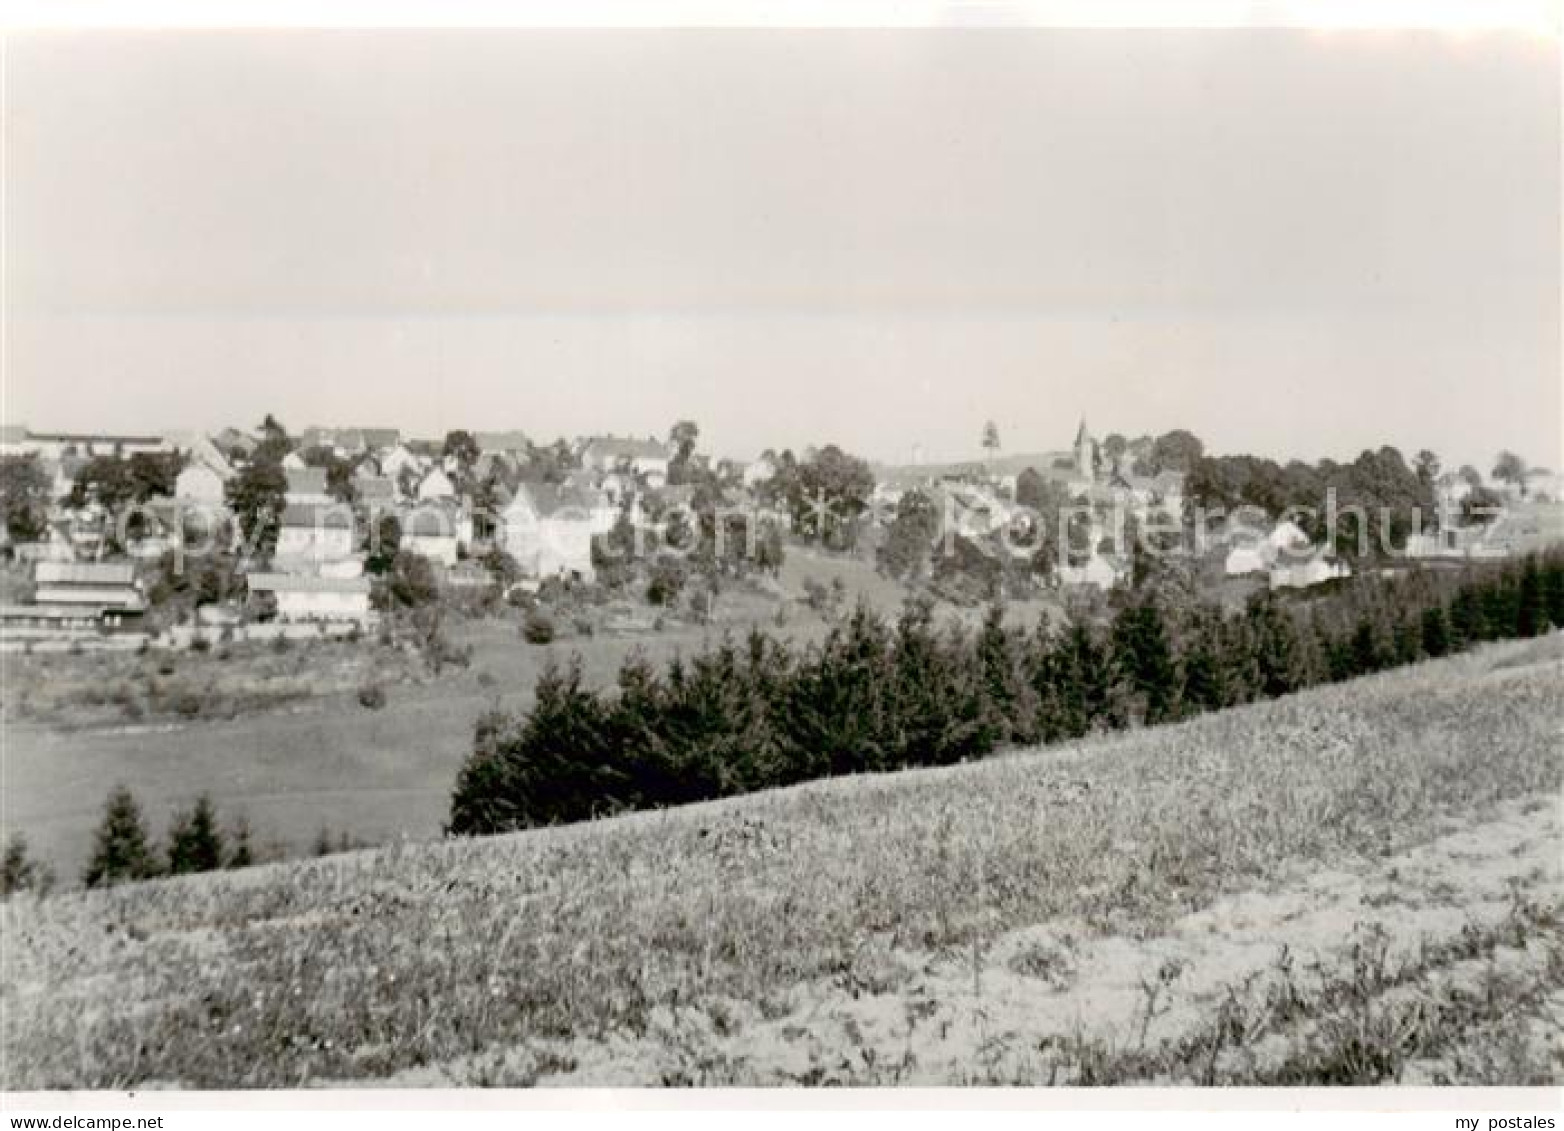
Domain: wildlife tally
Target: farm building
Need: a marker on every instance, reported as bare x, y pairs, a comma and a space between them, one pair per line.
54, 445
108, 587
46, 620
303, 598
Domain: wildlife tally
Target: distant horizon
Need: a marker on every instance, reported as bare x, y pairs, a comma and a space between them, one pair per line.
1294, 245
1448, 463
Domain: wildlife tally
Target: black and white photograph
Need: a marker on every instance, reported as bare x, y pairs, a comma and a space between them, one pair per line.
976, 552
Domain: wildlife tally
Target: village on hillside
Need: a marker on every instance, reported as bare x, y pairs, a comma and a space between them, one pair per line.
325, 531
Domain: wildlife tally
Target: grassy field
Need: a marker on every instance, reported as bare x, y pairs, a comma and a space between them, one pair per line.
280, 738
1359, 884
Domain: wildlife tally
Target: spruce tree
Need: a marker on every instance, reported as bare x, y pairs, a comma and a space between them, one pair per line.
1142, 653
121, 850
1007, 699
240, 853
194, 842
1531, 611
1274, 645
1436, 631
1553, 588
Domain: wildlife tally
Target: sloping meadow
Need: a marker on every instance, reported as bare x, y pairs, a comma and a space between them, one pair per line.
374, 965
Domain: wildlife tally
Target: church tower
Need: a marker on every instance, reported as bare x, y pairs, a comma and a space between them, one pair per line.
1085, 453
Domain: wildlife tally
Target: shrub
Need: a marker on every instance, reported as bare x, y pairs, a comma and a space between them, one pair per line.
372, 696
538, 628
199, 643
187, 703
669, 575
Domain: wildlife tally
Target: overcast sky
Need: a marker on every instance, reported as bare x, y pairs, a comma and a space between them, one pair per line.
1291, 243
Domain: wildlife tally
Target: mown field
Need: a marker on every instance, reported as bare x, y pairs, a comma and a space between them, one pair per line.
1359, 884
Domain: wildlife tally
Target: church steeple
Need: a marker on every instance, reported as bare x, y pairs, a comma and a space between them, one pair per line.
1085, 452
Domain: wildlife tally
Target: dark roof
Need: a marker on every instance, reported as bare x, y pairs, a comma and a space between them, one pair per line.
382, 437
615, 448
92, 438
546, 498
333, 517
512, 441
307, 481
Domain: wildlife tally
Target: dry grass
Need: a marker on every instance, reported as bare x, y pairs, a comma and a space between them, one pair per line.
222, 682
828, 933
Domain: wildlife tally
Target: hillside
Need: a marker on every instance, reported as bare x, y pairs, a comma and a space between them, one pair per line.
1356, 884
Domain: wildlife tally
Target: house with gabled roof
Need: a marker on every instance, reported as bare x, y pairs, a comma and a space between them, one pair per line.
307, 487
548, 529
436, 485
435, 530
647, 457
397, 459
311, 537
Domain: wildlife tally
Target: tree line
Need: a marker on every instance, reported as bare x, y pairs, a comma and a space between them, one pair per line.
884, 696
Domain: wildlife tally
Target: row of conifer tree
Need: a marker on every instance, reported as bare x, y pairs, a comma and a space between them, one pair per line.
878, 696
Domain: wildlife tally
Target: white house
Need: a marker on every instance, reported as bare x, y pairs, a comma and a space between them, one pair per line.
396, 460
1097, 570
435, 486
1313, 570
311, 536
293, 461
435, 532
548, 530
199, 483
762, 470
308, 598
